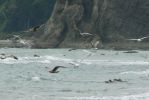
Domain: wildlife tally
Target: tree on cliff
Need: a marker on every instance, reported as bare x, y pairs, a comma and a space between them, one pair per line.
17, 15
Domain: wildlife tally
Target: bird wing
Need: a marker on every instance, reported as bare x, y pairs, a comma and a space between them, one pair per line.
57, 67
90, 54
133, 39
86, 34
144, 37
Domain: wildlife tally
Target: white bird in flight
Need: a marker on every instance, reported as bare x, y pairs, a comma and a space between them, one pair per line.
139, 39
86, 34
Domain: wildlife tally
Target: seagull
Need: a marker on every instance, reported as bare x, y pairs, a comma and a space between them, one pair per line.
139, 39
76, 64
86, 34
12, 56
95, 45
3, 56
54, 70
22, 41
16, 36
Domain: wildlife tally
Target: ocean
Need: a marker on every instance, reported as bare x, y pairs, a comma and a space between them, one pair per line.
86, 76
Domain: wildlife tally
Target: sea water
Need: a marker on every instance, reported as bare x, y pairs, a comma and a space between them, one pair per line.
28, 78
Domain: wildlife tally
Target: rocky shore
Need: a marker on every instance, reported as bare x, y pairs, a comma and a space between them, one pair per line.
112, 45
112, 24
127, 46
80, 45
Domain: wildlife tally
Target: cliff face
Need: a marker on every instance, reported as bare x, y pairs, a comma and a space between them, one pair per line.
18, 15
107, 20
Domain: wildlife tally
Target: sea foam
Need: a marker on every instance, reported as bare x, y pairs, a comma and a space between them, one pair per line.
144, 96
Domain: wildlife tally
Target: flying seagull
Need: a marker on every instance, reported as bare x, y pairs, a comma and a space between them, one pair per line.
77, 63
95, 45
16, 36
14, 57
54, 70
3, 56
139, 39
86, 34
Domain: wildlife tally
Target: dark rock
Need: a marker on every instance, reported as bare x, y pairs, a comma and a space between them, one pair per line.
35, 55
72, 49
114, 80
131, 51
110, 21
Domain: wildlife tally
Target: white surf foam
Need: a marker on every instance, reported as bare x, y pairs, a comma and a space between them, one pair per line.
35, 78
86, 51
144, 96
136, 72
25, 60
117, 62
56, 58
49, 59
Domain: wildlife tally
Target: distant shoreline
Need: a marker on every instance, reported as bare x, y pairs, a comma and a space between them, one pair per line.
10, 44
127, 46
113, 46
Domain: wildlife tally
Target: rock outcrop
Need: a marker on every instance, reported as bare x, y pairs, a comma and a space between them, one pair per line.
18, 15
110, 21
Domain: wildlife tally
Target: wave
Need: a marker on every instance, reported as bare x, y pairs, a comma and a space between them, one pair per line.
86, 51
42, 59
136, 72
144, 96
23, 60
49, 59
118, 62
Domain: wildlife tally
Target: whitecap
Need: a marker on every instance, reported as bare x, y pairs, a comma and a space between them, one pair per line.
45, 61
144, 96
35, 78
136, 72
86, 51
118, 62
56, 58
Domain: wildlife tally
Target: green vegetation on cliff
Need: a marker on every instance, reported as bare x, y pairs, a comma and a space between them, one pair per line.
17, 15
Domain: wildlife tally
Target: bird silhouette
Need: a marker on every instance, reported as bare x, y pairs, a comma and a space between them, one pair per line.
76, 64
14, 57
139, 39
3, 56
55, 69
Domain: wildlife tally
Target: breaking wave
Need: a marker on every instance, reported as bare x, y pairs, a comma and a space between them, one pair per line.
144, 96
136, 72
48, 59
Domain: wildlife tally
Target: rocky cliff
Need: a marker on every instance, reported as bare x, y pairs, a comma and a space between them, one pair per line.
110, 21
18, 15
